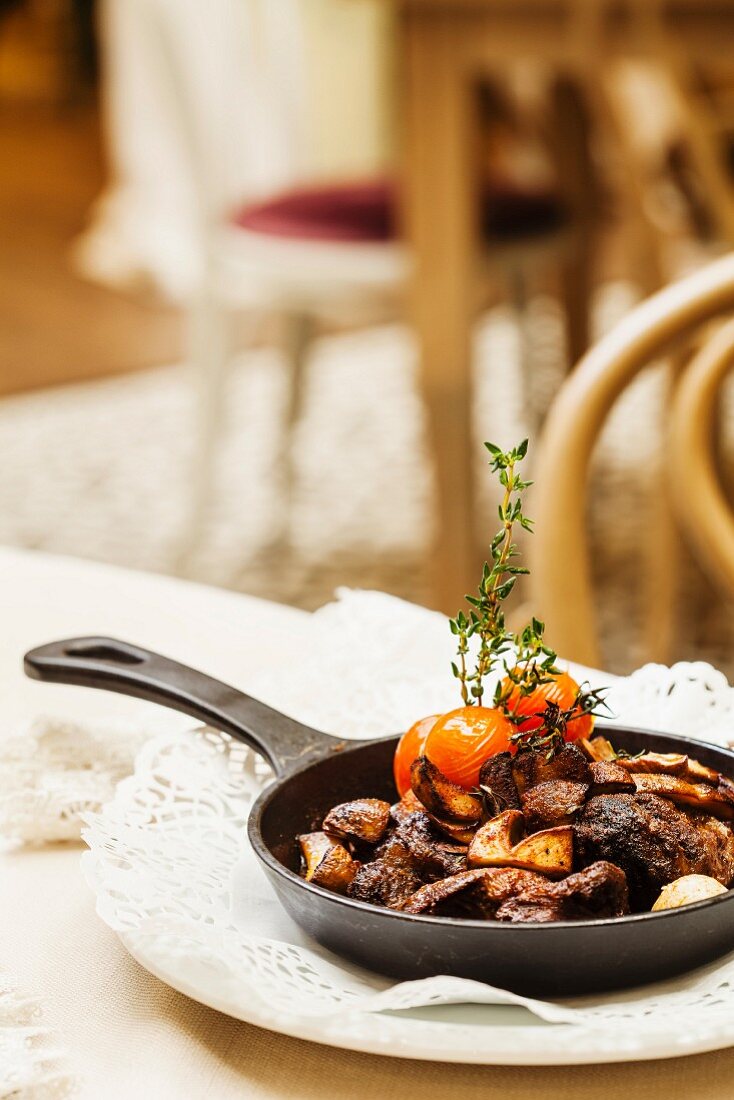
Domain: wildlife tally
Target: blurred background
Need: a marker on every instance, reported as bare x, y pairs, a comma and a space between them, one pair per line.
271, 270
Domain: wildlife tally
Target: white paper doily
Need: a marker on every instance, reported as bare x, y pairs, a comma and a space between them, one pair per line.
174, 876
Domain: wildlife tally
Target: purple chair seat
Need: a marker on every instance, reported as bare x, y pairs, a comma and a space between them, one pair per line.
365, 212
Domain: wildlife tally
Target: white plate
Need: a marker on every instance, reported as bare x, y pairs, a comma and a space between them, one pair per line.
163, 861
469, 1034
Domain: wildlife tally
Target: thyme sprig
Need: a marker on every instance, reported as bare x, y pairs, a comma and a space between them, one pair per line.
551, 733
486, 618
526, 659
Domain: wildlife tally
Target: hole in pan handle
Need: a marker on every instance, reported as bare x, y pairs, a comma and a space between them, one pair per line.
117, 666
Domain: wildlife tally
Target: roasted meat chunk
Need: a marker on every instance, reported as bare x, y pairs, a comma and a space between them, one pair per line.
497, 784
653, 841
600, 890
432, 854
414, 853
530, 768
553, 803
476, 893
363, 819
607, 777
383, 882
509, 894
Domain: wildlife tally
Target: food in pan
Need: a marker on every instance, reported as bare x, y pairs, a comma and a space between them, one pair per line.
509, 808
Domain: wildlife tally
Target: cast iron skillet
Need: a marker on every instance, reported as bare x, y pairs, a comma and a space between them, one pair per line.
315, 772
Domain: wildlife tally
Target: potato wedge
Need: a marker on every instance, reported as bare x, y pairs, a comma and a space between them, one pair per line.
495, 839
549, 852
364, 819
687, 890
699, 773
598, 748
657, 763
328, 863
499, 843
442, 797
695, 796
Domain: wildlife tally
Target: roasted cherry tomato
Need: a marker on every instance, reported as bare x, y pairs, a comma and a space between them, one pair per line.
410, 747
463, 739
562, 690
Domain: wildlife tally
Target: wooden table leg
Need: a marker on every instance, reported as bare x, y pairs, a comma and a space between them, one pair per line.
571, 149
440, 220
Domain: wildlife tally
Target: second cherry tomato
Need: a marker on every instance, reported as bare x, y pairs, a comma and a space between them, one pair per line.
562, 690
463, 739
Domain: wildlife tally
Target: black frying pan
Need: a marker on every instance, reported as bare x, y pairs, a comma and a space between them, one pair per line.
315, 772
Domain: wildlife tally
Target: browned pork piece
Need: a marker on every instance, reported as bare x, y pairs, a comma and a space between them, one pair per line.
364, 819
550, 792
596, 892
530, 768
442, 797
552, 804
413, 854
654, 842
508, 894
328, 863
607, 777
497, 784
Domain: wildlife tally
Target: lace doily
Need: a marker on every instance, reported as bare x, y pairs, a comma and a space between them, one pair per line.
173, 874
54, 771
32, 1066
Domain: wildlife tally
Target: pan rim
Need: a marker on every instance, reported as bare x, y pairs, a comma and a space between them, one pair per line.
629, 920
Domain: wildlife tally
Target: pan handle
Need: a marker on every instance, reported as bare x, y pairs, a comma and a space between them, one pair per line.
130, 670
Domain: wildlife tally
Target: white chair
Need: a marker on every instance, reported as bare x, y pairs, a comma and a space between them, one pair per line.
316, 254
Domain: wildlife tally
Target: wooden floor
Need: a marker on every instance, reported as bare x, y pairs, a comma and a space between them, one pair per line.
54, 327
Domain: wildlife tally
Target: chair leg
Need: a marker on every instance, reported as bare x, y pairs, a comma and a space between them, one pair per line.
298, 332
519, 297
209, 348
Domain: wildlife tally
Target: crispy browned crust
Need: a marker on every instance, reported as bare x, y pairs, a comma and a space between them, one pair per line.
654, 842
607, 777
488, 888
442, 797
515, 895
364, 819
497, 783
599, 891
529, 769
553, 803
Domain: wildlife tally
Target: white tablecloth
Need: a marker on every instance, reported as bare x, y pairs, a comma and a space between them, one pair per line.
128, 1035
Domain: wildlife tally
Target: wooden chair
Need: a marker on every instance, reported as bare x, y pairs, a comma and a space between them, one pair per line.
559, 556
700, 503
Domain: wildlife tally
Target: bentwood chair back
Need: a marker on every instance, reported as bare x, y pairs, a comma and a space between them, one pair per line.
561, 582
697, 494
